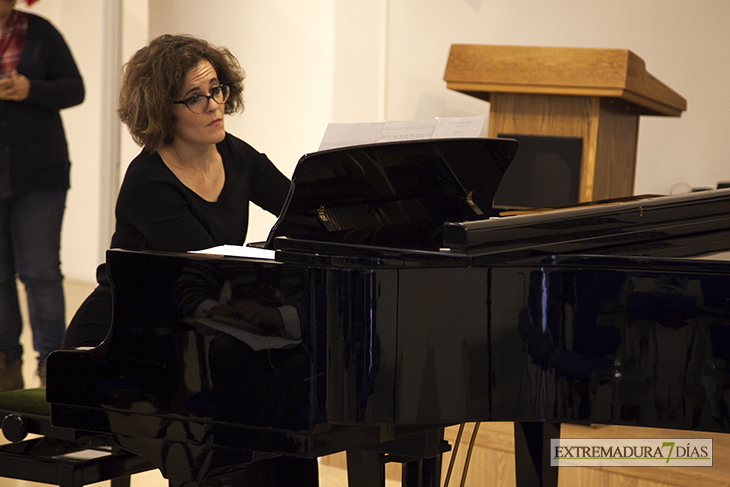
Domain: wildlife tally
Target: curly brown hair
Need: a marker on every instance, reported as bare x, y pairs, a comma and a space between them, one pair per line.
154, 76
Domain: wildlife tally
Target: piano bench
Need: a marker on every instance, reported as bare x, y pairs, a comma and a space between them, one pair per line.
58, 456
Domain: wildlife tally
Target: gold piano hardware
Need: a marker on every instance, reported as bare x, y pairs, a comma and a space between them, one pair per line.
328, 224
471, 203
321, 214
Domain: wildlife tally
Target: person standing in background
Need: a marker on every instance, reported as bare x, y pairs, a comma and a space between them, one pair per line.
38, 77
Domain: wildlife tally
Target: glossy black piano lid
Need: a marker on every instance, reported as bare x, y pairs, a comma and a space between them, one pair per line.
685, 225
393, 194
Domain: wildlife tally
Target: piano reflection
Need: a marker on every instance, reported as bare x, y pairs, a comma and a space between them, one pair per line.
404, 302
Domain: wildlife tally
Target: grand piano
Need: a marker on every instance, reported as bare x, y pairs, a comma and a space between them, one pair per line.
420, 305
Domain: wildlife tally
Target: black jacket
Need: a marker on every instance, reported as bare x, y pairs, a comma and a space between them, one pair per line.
31, 132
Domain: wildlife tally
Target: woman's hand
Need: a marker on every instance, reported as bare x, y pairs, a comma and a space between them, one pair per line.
14, 87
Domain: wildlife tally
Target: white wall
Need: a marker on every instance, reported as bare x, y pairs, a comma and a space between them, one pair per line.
313, 62
685, 44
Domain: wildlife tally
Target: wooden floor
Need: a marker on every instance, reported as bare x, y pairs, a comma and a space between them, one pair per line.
328, 477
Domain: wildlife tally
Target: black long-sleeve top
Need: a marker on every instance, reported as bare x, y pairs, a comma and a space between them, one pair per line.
155, 211
32, 138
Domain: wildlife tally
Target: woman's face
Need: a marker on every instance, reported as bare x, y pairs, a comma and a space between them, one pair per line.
199, 128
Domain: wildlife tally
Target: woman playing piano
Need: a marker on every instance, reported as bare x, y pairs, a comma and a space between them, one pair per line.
190, 187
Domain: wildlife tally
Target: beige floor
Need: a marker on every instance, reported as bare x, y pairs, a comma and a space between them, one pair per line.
76, 292
328, 477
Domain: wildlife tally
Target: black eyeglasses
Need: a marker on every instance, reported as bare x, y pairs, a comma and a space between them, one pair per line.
199, 103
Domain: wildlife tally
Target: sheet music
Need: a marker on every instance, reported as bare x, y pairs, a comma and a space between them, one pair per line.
238, 251
447, 127
349, 134
394, 131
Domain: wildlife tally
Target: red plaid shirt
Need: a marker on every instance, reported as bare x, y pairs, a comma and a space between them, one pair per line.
12, 38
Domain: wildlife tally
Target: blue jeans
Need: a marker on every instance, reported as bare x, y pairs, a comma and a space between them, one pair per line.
30, 240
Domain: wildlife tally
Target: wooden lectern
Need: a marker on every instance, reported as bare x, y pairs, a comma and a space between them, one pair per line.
596, 95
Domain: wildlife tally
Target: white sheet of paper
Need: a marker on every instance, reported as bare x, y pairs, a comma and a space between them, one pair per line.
397, 130
238, 251
447, 127
349, 134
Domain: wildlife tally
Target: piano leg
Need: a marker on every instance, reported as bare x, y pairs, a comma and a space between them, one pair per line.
365, 468
425, 472
532, 454
420, 455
